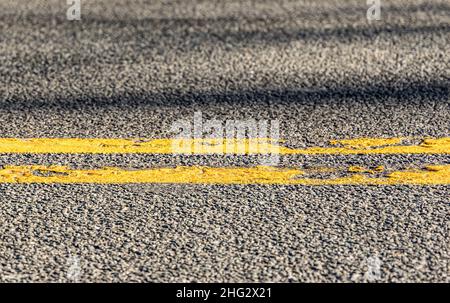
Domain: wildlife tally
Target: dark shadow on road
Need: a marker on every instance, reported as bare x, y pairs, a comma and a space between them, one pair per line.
411, 93
188, 33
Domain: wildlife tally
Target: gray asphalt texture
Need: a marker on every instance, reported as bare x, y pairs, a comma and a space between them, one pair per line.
132, 69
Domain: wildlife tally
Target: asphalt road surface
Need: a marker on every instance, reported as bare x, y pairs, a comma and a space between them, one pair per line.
130, 69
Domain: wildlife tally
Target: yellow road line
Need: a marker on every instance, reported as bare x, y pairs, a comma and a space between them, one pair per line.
218, 146
431, 175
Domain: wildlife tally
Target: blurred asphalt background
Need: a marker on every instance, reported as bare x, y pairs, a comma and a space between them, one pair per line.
131, 68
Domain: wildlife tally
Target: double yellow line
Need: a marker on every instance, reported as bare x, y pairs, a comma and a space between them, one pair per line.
429, 175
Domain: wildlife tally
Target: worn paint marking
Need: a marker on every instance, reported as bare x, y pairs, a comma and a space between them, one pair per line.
218, 146
430, 175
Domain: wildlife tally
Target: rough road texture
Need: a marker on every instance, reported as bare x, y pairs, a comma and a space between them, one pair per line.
131, 70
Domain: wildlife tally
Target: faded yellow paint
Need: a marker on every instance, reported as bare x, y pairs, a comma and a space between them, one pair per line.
365, 143
431, 175
218, 146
